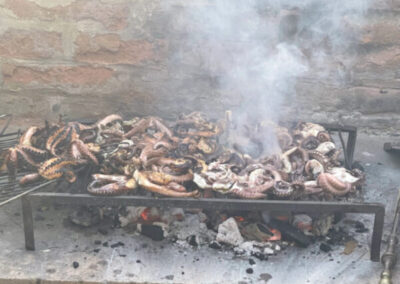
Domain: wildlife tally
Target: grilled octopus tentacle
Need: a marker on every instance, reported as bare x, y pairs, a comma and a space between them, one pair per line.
144, 182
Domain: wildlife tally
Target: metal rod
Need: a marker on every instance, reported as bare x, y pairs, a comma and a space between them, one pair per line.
389, 257
27, 192
7, 122
28, 223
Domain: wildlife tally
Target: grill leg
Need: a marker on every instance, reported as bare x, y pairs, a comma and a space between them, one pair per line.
351, 145
28, 223
377, 234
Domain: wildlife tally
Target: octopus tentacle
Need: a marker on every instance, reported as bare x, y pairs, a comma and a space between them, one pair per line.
113, 188
138, 128
110, 178
83, 149
164, 178
29, 178
27, 136
332, 184
26, 157
144, 182
319, 157
108, 119
176, 186
33, 150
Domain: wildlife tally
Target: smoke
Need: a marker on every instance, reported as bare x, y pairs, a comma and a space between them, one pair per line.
258, 49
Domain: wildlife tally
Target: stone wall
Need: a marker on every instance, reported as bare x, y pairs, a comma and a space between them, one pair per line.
87, 58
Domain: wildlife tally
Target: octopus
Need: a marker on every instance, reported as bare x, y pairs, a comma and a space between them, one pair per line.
23, 151
53, 168
69, 136
147, 153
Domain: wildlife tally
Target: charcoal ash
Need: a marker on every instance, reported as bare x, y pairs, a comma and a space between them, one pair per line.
228, 233
192, 229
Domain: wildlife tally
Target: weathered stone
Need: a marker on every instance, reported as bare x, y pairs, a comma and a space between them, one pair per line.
53, 76
110, 49
113, 16
30, 44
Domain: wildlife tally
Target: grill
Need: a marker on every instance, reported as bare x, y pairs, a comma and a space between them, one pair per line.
376, 209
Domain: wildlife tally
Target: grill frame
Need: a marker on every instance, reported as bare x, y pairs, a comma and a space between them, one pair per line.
377, 209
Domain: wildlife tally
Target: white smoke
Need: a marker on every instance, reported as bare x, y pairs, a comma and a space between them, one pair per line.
258, 49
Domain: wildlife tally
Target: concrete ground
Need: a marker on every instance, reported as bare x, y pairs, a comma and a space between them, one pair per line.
140, 260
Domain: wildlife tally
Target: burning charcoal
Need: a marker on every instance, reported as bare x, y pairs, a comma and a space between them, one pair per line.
215, 245
75, 264
325, 247
154, 232
290, 233
228, 232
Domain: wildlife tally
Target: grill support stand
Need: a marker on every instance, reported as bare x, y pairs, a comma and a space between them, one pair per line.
214, 204
28, 223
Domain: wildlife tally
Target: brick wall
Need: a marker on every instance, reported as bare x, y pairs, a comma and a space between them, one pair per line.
88, 58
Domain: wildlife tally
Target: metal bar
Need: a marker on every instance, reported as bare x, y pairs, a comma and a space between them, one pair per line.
27, 192
351, 145
212, 203
28, 223
351, 140
231, 204
337, 127
377, 232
